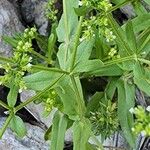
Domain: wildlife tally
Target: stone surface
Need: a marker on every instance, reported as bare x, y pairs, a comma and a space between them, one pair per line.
33, 12
9, 24
32, 141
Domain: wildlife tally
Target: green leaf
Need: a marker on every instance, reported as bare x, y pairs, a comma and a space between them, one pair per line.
42, 42
93, 104
18, 126
139, 8
111, 88
90, 65
10, 40
90, 147
112, 70
51, 44
82, 11
66, 30
40, 80
145, 45
147, 1
84, 50
12, 95
140, 23
81, 134
68, 97
58, 131
142, 78
126, 96
118, 1
47, 134
130, 36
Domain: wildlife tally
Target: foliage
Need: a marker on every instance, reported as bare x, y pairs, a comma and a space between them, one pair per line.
86, 42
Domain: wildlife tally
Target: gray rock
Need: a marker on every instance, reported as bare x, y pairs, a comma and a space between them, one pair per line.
33, 11
128, 10
32, 141
9, 24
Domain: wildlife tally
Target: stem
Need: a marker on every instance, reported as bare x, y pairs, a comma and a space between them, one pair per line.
37, 95
41, 56
144, 61
66, 21
143, 33
80, 101
49, 69
144, 43
5, 60
3, 129
120, 5
109, 63
79, 28
4, 105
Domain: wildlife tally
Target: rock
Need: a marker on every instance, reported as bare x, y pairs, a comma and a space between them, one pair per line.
33, 12
32, 141
9, 24
128, 10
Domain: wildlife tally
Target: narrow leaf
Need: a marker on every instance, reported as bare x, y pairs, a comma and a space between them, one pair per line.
81, 134
12, 95
58, 131
142, 78
18, 126
131, 39
126, 94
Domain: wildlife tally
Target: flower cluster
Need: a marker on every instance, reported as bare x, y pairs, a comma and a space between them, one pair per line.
51, 100
142, 121
99, 21
105, 120
50, 10
21, 61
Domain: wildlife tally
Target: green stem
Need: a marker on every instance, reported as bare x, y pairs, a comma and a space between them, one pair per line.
66, 22
120, 5
41, 56
4, 105
144, 43
120, 60
49, 69
80, 101
144, 61
37, 95
79, 28
118, 34
146, 31
5, 60
3, 129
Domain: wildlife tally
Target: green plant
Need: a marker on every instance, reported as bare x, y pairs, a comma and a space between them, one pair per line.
92, 44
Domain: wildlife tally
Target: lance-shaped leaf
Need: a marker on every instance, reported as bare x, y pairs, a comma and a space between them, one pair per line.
81, 134
12, 95
140, 23
18, 126
130, 37
142, 78
126, 96
65, 31
112, 70
69, 99
40, 80
58, 131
